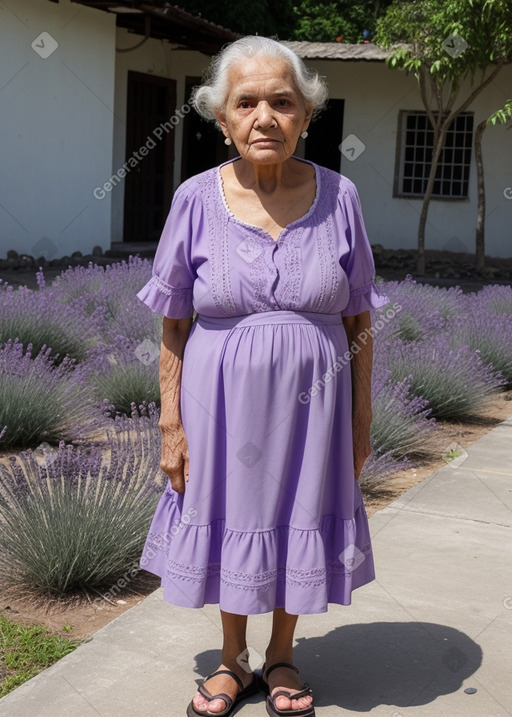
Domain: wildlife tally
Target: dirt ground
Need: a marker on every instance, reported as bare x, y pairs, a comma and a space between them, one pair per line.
80, 616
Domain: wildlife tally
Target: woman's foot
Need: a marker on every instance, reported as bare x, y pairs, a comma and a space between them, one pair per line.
287, 680
222, 684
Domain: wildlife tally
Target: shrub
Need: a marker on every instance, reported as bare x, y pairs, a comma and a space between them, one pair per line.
33, 317
423, 310
487, 328
377, 468
401, 422
494, 299
111, 291
76, 519
41, 402
454, 381
124, 383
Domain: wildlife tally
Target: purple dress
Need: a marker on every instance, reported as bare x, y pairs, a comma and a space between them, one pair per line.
271, 516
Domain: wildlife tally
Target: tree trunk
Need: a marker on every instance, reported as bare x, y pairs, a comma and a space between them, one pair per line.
480, 219
420, 263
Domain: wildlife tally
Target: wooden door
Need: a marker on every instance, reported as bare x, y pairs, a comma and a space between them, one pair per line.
151, 103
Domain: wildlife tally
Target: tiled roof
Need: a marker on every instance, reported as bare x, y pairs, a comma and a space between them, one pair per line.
337, 51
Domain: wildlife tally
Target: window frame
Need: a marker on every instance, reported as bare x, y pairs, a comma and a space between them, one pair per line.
400, 160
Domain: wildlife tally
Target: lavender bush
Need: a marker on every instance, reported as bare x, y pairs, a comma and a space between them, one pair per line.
454, 381
111, 291
486, 328
124, 380
33, 317
75, 518
423, 311
41, 402
401, 423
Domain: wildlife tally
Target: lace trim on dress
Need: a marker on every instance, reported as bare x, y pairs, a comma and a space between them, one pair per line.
293, 266
362, 290
218, 240
329, 282
168, 290
261, 582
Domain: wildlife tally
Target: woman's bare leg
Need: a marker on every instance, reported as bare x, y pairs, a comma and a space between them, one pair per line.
234, 646
280, 649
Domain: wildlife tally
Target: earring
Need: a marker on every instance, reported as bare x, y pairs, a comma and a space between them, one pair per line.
304, 134
227, 141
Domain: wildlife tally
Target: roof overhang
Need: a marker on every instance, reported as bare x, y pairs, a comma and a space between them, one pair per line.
164, 21
338, 51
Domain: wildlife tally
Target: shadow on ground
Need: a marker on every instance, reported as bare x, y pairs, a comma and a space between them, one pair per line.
360, 667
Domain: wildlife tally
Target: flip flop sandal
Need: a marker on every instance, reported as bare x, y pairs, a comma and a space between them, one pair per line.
245, 693
274, 711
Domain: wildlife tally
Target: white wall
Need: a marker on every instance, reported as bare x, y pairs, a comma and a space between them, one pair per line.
56, 127
373, 97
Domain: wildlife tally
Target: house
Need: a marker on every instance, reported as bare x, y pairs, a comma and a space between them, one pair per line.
97, 131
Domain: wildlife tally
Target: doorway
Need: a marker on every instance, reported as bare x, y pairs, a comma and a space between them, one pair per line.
148, 186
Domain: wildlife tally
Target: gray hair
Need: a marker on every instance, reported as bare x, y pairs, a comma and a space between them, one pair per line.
211, 96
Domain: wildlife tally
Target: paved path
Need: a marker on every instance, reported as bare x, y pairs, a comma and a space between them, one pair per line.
437, 620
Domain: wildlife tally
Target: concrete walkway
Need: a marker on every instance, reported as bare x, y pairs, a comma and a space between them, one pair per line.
437, 620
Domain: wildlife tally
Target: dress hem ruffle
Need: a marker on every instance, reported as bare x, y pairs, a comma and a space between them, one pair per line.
276, 568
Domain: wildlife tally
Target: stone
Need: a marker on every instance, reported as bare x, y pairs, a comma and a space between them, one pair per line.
97, 251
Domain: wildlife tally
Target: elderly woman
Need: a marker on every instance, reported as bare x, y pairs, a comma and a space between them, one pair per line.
266, 393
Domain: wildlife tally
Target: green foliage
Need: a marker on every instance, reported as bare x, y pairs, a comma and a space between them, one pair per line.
309, 20
78, 519
420, 30
248, 18
503, 115
124, 384
321, 22
25, 651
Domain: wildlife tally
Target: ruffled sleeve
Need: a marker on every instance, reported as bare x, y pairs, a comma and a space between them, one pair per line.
169, 291
358, 262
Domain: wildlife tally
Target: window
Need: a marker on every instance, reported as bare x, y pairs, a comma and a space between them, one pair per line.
415, 148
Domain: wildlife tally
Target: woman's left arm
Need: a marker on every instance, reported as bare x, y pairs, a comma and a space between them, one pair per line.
359, 337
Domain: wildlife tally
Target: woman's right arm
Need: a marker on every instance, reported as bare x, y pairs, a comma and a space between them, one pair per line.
174, 443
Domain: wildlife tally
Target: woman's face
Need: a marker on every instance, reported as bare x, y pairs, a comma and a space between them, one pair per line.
265, 113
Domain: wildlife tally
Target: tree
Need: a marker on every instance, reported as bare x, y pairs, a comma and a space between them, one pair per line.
455, 49
342, 20
310, 20
502, 116
264, 17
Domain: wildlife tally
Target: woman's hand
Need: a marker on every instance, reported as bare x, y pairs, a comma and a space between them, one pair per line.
361, 442
174, 460
360, 343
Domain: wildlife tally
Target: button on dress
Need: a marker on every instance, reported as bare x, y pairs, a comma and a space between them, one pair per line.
271, 516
